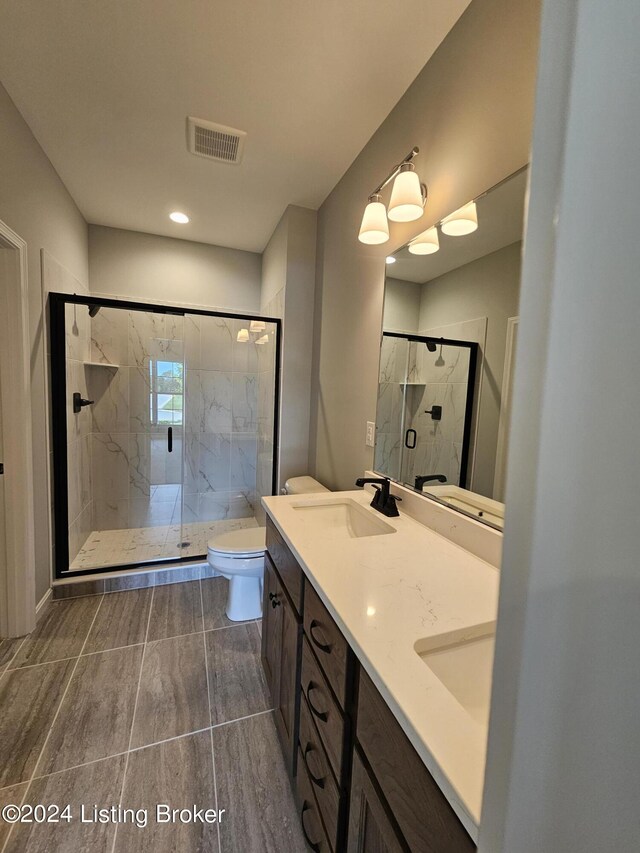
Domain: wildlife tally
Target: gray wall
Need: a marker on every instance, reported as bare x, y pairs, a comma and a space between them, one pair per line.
35, 203
288, 283
148, 267
401, 305
563, 769
488, 287
470, 111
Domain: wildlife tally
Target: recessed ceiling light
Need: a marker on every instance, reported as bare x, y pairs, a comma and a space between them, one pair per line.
390, 260
176, 216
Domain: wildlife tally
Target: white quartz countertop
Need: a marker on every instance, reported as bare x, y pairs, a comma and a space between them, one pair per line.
386, 593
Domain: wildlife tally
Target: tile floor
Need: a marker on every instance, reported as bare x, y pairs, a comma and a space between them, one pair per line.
141, 544
136, 698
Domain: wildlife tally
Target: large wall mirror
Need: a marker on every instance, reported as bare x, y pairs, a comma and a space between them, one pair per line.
447, 354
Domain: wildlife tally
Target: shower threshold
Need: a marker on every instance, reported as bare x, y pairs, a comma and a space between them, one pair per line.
106, 548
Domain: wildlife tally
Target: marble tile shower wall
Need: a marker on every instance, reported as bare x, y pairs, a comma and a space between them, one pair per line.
221, 419
393, 365
79, 428
129, 457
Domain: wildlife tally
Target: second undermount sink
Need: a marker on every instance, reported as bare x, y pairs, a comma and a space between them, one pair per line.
464, 663
344, 519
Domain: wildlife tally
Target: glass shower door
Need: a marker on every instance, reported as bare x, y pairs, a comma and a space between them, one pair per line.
125, 421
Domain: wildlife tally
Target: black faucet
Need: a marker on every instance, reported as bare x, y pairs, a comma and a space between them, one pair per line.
425, 478
383, 500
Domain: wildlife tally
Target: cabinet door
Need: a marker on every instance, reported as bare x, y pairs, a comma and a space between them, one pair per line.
286, 701
370, 828
271, 631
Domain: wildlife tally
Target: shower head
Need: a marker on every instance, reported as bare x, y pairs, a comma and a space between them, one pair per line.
93, 309
431, 346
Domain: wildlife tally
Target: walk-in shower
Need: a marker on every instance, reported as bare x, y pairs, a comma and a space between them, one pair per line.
164, 425
425, 409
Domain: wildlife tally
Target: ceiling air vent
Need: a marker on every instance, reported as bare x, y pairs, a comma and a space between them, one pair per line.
215, 141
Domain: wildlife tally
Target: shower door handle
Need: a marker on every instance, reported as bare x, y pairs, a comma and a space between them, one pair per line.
170, 440
414, 436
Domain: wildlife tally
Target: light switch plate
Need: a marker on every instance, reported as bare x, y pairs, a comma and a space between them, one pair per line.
371, 434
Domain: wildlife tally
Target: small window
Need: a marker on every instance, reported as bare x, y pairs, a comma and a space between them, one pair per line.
167, 392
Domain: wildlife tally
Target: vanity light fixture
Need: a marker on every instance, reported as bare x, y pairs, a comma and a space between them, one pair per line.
243, 336
389, 259
426, 243
408, 198
462, 221
179, 217
374, 228
263, 340
257, 326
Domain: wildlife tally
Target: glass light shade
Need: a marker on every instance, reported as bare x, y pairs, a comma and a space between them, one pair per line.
426, 243
462, 221
243, 336
374, 228
406, 197
257, 326
263, 340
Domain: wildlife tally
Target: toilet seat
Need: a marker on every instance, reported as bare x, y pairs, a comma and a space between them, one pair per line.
239, 544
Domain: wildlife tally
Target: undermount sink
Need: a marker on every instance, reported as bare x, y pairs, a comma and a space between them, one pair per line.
344, 519
464, 663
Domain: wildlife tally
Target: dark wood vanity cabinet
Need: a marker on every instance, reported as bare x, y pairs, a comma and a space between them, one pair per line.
281, 638
371, 827
360, 785
425, 820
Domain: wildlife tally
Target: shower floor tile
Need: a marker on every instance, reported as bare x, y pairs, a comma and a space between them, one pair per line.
140, 545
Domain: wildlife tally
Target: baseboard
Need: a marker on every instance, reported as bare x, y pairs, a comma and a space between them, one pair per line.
41, 605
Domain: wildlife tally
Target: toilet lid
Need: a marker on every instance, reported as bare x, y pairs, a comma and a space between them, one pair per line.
247, 542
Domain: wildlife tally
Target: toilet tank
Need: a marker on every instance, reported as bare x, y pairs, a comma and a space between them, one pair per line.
303, 486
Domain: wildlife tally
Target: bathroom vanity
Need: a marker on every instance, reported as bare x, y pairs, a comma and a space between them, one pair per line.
366, 622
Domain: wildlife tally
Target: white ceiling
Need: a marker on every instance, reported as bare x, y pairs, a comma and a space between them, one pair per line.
106, 86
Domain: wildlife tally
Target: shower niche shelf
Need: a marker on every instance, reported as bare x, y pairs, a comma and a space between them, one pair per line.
101, 364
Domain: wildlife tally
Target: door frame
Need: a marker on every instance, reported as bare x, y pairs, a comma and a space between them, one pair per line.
17, 572
500, 475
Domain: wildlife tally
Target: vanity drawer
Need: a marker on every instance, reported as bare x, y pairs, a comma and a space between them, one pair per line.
421, 810
286, 564
324, 711
320, 773
327, 642
310, 820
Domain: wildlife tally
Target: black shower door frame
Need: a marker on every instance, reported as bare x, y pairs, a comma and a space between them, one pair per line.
58, 397
473, 348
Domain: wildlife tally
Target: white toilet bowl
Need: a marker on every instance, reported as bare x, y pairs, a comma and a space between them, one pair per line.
239, 557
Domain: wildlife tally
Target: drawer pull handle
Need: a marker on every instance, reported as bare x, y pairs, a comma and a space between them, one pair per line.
315, 847
324, 647
317, 780
321, 715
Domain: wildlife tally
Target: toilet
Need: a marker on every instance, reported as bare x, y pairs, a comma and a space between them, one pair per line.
239, 556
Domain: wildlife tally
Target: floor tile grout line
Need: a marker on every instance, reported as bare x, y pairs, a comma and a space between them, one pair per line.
138, 748
53, 722
213, 758
13, 657
133, 718
130, 646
